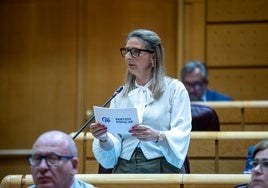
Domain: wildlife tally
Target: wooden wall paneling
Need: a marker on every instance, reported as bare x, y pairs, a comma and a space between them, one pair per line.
208, 152
38, 69
197, 166
187, 43
240, 84
235, 166
238, 10
194, 23
198, 30
92, 166
199, 149
256, 127
15, 72
237, 45
81, 115
107, 27
206, 147
237, 148
13, 165
256, 115
81, 149
55, 58
229, 115
181, 35
237, 37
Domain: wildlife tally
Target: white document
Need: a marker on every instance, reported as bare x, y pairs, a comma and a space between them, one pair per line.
117, 120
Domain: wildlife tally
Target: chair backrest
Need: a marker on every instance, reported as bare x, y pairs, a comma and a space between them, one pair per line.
204, 118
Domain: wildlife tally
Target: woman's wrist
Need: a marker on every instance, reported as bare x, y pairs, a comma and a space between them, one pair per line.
159, 137
103, 138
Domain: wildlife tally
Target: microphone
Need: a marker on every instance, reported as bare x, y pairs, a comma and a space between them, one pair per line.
93, 116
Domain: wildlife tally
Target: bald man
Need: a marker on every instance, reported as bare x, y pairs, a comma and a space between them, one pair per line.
54, 162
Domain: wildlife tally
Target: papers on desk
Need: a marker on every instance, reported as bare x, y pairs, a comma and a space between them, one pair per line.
117, 120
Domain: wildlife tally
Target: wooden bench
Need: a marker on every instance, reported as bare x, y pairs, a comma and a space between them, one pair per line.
233, 115
143, 180
221, 152
209, 152
14, 161
241, 115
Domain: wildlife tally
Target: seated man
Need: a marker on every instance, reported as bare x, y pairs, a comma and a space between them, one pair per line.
54, 162
194, 75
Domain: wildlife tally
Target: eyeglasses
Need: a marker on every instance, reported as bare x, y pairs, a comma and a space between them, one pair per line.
195, 85
52, 159
135, 52
263, 164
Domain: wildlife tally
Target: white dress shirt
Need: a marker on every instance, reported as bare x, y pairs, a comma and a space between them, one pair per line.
170, 114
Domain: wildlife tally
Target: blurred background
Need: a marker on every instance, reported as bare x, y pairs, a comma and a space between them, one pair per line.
58, 58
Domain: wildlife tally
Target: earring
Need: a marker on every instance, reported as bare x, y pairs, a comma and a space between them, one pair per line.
153, 64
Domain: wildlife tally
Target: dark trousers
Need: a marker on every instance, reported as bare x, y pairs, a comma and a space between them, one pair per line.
139, 164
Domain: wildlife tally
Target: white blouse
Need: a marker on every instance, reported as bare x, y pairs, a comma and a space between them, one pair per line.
170, 114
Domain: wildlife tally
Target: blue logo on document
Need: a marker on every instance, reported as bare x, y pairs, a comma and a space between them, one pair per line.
106, 120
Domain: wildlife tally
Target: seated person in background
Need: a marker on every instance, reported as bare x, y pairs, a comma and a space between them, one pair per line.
259, 170
54, 162
194, 75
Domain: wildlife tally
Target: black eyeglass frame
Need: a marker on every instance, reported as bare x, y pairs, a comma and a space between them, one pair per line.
255, 163
57, 159
195, 85
122, 50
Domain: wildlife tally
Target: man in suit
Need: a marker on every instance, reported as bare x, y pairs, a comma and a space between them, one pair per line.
194, 75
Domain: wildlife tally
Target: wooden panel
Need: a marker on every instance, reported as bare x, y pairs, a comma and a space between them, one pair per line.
246, 127
81, 149
241, 84
256, 127
194, 30
107, 26
202, 166
229, 115
237, 148
241, 115
198, 30
259, 115
234, 166
237, 45
37, 69
14, 165
237, 10
207, 151
89, 152
233, 127
91, 166
204, 148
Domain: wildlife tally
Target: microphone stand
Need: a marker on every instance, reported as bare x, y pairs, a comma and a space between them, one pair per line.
93, 116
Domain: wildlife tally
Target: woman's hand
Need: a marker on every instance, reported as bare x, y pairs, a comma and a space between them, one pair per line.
144, 133
99, 131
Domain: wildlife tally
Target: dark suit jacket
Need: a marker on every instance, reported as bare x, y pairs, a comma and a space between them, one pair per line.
215, 96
